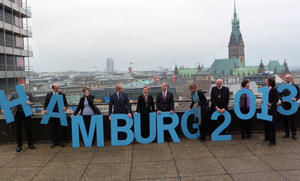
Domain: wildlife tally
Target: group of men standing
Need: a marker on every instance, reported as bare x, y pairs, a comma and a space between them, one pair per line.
119, 104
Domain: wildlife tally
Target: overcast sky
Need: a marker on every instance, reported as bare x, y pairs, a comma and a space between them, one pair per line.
81, 34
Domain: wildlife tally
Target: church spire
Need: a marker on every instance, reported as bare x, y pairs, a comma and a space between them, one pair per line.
235, 13
236, 43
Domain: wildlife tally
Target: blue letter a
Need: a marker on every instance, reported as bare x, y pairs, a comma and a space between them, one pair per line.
55, 99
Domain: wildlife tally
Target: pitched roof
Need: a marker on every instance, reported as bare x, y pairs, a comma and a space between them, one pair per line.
225, 65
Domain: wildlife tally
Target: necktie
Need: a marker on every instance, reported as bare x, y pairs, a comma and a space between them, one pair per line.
164, 96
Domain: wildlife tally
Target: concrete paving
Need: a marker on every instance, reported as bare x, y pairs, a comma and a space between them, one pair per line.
249, 159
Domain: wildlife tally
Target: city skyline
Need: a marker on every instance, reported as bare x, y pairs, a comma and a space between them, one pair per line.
153, 34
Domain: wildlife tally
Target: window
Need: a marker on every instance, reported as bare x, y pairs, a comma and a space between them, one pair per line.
2, 84
18, 21
10, 62
20, 63
1, 37
19, 42
2, 62
9, 40
1, 13
8, 16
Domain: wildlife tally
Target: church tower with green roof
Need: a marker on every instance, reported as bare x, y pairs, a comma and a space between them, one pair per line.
236, 43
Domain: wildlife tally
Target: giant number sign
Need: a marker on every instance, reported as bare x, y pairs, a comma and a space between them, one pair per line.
156, 124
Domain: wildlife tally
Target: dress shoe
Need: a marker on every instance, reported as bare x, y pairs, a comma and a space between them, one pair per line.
286, 136
31, 146
19, 149
53, 145
294, 137
271, 144
62, 144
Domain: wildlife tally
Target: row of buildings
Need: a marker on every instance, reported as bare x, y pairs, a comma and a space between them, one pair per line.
234, 69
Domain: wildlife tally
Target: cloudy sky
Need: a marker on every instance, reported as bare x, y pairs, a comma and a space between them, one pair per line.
81, 34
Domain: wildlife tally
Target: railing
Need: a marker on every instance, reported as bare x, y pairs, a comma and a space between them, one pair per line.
180, 106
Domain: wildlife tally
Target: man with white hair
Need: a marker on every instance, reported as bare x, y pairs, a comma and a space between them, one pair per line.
55, 128
289, 121
219, 97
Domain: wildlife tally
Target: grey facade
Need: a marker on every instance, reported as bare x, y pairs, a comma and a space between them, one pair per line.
14, 42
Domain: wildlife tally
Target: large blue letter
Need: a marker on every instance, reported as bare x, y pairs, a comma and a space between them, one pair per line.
237, 108
184, 128
264, 115
137, 128
215, 136
126, 129
161, 127
293, 94
96, 123
7, 105
55, 99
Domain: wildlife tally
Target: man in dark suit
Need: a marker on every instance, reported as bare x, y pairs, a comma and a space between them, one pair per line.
270, 127
219, 97
20, 117
56, 128
165, 103
165, 100
289, 121
145, 105
119, 103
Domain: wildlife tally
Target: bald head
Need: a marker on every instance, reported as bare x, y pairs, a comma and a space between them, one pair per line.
55, 87
288, 78
219, 83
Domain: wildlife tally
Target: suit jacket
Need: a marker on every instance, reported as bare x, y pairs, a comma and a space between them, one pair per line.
221, 100
119, 106
144, 107
48, 98
15, 96
273, 98
286, 92
90, 100
167, 105
202, 101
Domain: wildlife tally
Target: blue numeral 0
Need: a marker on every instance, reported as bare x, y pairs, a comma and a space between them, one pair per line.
237, 108
215, 136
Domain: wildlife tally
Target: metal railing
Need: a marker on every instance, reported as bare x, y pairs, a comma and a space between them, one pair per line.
180, 106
